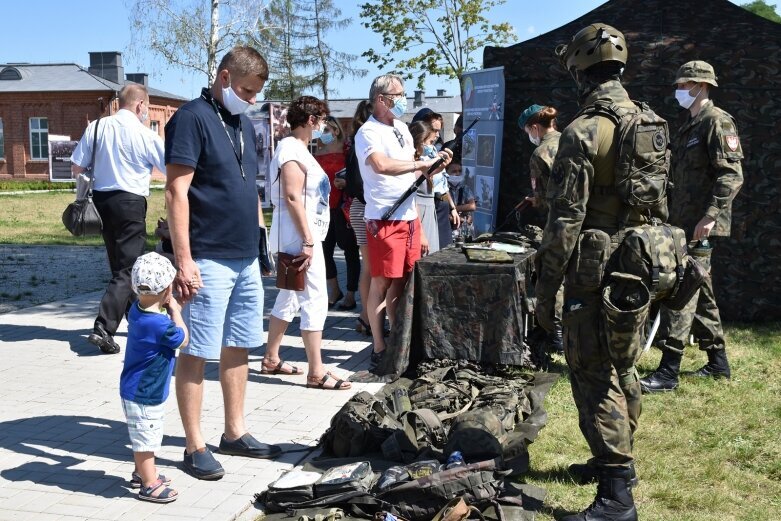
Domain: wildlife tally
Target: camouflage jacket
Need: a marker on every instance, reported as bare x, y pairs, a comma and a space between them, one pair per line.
706, 171
585, 160
540, 166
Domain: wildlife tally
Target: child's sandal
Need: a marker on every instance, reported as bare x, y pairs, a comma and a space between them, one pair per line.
135, 480
167, 495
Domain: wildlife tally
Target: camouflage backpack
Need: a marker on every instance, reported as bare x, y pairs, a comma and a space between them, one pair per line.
643, 159
360, 427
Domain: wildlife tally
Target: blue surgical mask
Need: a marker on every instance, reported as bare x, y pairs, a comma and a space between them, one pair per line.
327, 138
399, 107
317, 133
429, 151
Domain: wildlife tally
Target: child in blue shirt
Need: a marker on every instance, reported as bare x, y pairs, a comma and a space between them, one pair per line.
155, 331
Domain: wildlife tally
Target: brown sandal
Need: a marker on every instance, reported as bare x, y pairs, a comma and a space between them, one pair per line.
277, 369
314, 382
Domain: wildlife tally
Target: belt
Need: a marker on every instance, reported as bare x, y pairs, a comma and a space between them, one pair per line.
442, 197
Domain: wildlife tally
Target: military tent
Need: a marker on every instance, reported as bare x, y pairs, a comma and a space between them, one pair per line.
745, 50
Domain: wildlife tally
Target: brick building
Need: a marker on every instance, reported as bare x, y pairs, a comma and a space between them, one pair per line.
41, 99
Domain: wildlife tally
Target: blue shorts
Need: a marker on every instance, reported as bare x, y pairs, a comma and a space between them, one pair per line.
145, 425
228, 310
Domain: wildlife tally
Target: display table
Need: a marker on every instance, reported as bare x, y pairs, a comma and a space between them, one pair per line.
456, 309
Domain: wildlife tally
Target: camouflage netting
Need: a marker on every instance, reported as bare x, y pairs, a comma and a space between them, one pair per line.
745, 50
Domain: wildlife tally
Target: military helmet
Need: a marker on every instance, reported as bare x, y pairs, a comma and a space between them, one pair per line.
594, 44
696, 71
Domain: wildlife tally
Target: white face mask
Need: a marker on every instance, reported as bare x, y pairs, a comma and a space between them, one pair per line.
144, 116
232, 102
685, 99
535, 140
455, 180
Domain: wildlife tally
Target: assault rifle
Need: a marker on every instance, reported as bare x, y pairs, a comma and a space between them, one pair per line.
450, 145
518, 208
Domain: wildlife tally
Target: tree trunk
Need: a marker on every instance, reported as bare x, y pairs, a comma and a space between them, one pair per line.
214, 35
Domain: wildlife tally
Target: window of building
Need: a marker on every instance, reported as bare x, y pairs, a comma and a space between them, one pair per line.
2, 140
39, 138
155, 126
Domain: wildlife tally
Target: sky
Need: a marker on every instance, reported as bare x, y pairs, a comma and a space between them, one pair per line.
57, 32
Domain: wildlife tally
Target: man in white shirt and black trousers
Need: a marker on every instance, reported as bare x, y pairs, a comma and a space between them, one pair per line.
126, 152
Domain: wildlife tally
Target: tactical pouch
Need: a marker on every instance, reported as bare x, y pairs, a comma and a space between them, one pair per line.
693, 278
294, 486
589, 261
345, 478
625, 305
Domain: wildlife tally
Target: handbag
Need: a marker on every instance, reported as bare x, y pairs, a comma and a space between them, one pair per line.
81, 217
288, 274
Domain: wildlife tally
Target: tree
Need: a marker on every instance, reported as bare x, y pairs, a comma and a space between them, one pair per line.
193, 34
443, 33
765, 10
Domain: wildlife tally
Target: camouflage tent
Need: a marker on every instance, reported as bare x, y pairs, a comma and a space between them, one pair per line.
745, 50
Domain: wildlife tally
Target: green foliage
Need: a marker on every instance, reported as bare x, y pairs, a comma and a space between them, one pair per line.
18, 186
437, 37
763, 9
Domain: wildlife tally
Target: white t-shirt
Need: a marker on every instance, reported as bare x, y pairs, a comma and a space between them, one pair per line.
316, 198
127, 151
381, 191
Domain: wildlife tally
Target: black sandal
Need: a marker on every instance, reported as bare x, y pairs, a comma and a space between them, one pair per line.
337, 299
363, 327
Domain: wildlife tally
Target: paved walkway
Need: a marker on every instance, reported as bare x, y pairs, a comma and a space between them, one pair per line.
64, 448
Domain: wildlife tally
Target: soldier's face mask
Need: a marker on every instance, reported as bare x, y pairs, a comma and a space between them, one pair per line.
684, 97
534, 139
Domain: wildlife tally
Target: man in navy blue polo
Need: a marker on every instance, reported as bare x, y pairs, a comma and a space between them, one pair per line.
214, 215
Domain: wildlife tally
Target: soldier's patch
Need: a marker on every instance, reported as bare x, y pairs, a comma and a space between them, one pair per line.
693, 141
660, 141
732, 142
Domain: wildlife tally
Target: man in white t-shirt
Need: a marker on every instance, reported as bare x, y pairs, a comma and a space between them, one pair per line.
386, 157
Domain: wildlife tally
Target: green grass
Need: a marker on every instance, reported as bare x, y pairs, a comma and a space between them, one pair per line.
14, 186
709, 451
35, 218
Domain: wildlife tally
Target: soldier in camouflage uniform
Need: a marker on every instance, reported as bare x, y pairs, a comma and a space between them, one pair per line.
539, 123
585, 220
707, 175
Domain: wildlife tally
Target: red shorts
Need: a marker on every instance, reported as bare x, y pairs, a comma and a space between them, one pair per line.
394, 248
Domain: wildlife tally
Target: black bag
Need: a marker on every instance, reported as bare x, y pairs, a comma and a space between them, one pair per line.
81, 218
354, 187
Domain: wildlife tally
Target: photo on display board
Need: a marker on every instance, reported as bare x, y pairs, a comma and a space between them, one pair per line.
486, 144
484, 196
468, 147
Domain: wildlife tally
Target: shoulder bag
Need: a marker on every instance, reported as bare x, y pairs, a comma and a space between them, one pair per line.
81, 218
288, 274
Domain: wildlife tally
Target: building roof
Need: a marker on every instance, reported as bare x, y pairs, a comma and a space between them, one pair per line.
61, 77
345, 108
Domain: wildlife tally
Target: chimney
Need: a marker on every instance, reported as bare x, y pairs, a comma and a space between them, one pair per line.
441, 92
138, 77
420, 98
107, 65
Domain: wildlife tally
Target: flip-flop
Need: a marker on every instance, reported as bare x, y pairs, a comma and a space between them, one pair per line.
277, 369
319, 383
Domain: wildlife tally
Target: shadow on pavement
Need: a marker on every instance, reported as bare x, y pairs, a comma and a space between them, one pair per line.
76, 338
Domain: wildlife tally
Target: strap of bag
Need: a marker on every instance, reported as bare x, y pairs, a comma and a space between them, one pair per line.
92, 168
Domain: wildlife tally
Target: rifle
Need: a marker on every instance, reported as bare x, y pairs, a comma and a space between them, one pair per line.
450, 145
518, 208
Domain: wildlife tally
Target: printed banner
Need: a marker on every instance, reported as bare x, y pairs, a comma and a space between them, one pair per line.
482, 95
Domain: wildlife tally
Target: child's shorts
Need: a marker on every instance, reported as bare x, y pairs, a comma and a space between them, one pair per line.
145, 425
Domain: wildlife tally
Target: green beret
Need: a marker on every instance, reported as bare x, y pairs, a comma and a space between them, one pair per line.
528, 113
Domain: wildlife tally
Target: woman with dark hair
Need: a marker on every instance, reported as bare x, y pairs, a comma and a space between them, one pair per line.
330, 155
300, 221
423, 138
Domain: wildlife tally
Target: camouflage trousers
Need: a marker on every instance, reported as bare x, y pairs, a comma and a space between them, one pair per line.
609, 403
700, 317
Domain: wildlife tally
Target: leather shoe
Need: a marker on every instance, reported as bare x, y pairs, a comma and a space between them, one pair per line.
717, 366
249, 447
101, 338
658, 382
202, 465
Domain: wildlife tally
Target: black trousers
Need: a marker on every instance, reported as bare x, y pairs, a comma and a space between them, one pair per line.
124, 234
443, 223
339, 232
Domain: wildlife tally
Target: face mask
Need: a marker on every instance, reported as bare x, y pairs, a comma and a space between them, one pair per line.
535, 140
144, 116
399, 107
429, 151
685, 99
328, 138
232, 102
317, 133
455, 180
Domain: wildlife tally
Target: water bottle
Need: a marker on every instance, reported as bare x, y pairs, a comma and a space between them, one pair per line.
455, 460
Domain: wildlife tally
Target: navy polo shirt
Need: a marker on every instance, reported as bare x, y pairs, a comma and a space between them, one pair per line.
223, 204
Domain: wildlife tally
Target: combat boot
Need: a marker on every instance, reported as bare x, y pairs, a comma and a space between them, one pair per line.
717, 366
585, 473
665, 378
614, 501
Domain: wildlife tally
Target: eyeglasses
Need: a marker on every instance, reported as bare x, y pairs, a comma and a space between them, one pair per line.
399, 137
393, 97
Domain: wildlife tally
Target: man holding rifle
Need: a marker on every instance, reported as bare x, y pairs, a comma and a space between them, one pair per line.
386, 157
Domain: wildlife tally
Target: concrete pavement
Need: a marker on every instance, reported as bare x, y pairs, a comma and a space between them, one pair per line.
64, 448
